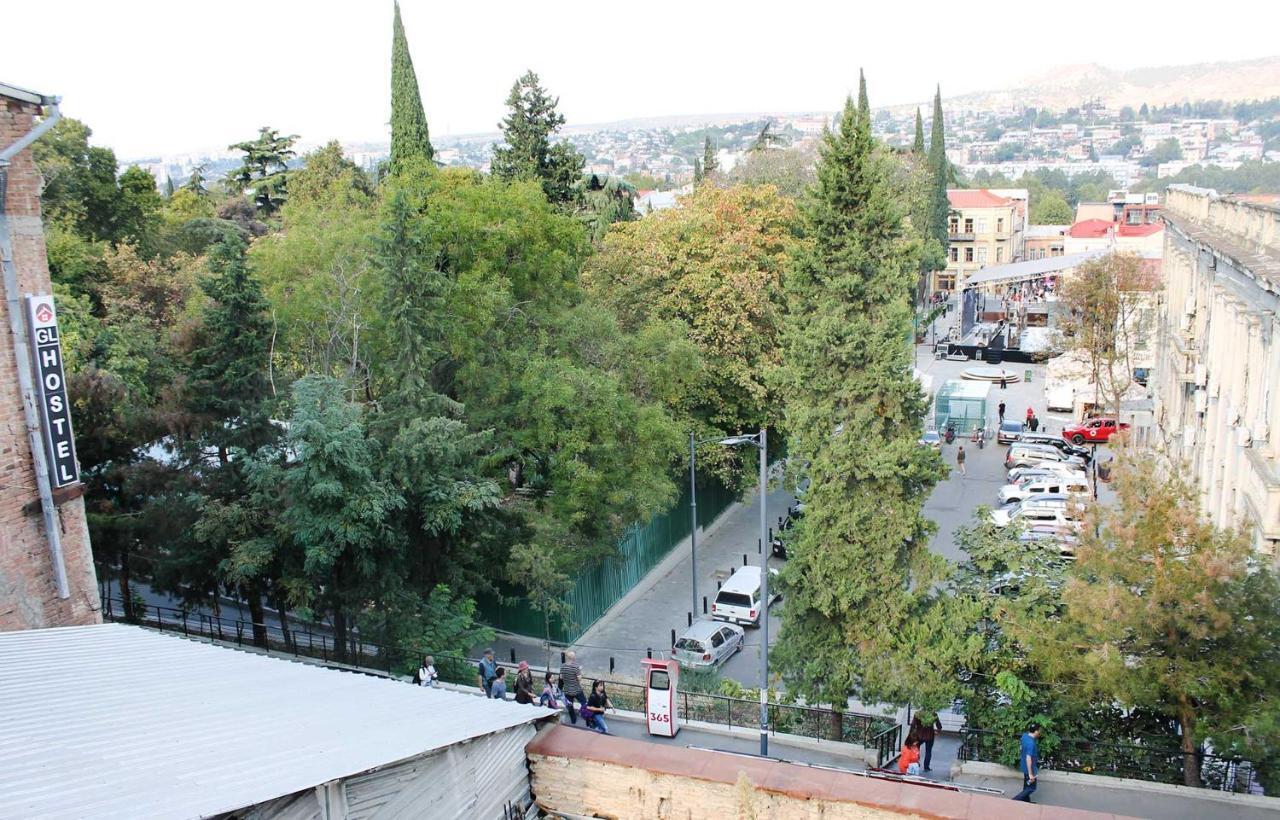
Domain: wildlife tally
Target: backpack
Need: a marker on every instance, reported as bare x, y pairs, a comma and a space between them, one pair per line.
417, 677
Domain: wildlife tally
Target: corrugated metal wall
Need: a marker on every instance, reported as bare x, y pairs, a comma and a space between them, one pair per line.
474, 779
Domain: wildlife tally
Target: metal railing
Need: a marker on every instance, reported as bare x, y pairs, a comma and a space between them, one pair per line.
1154, 763
784, 718
370, 656
888, 745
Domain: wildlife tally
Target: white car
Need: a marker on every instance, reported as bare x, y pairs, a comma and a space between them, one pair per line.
738, 601
1071, 486
1049, 469
707, 644
1049, 509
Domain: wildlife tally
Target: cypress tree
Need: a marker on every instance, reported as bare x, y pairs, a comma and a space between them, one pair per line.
939, 171
864, 105
917, 147
709, 162
697, 172
860, 566
409, 136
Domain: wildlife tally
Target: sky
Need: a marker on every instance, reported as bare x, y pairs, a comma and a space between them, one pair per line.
166, 78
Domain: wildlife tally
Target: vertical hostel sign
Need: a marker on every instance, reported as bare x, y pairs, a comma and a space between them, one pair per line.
51, 391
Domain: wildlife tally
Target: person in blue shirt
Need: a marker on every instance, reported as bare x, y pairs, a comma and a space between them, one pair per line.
486, 671
1029, 762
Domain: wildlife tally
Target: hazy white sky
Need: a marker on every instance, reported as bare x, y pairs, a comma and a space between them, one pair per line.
169, 76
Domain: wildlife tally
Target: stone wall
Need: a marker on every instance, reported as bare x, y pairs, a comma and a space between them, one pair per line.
28, 596
579, 772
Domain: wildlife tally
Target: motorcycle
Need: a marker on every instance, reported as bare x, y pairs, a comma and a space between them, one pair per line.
982, 437
949, 432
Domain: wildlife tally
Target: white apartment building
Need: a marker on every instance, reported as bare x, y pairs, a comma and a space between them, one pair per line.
1217, 376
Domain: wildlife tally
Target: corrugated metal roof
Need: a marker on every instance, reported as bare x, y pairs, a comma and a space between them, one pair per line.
117, 721
1028, 270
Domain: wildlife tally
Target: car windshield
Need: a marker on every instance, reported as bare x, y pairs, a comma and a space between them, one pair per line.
1011, 426
689, 645
733, 599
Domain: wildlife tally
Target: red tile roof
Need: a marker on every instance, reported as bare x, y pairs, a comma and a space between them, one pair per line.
1145, 229
1091, 228
975, 198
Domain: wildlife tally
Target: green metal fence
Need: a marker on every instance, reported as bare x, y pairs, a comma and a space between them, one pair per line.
639, 551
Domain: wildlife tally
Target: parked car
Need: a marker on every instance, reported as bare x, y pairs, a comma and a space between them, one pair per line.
1049, 469
1058, 510
1061, 537
739, 598
1022, 455
1074, 487
1093, 431
1059, 442
707, 644
1009, 432
931, 438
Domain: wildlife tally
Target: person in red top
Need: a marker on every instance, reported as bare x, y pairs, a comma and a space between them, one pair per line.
909, 760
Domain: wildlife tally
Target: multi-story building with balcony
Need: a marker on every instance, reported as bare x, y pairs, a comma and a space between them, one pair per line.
1217, 376
984, 228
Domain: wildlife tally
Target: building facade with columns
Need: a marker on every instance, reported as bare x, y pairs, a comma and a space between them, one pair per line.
1217, 376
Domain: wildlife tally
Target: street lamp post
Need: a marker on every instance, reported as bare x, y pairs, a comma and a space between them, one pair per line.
693, 521
761, 442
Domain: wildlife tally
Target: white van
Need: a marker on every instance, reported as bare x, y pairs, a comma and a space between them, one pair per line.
739, 598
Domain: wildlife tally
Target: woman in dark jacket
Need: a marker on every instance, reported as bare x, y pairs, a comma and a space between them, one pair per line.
524, 684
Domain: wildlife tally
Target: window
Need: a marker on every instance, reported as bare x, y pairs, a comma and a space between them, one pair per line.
733, 599
999, 253
1000, 225
982, 226
982, 256
953, 226
968, 254
717, 640
690, 645
968, 226
955, 254
659, 680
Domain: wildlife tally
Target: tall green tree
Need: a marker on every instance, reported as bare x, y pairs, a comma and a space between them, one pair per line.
697, 172
939, 168
265, 168
527, 150
861, 569
409, 135
864, 103
917, 146
710, 162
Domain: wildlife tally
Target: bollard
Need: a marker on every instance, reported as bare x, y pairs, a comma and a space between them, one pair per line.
561, 656
759, 546
744, 559
717, 586
771, 535
513, 654
673, 639
648, 653
704, 605
610, 666
690, 616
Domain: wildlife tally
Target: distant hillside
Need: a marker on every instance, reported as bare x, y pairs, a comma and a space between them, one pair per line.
1061, 88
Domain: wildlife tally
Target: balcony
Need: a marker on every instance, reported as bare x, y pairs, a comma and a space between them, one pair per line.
961, 237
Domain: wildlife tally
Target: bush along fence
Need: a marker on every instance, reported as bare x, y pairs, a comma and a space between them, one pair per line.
370, 657
1157, 762
599, 588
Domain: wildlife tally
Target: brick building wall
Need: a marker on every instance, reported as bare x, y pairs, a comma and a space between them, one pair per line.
28, 595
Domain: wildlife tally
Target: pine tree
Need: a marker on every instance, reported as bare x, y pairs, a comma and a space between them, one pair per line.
861, 565
265, 168
917, 147
939, 168
527, 151
710, 164
697, 172
409, 136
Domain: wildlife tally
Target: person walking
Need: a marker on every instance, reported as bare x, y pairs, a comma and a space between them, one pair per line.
596, 704
960, 461
524, 684
1030, 415
498, 689
426, 674
1029, 762
927, 732
1034, 423
1000, 409
551, 696
909, 757
486, 671
571, 684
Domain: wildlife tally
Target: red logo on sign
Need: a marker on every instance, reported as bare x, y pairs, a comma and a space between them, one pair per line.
44, 313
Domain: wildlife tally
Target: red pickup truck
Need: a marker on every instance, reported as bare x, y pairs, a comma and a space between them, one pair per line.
1092, 431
